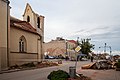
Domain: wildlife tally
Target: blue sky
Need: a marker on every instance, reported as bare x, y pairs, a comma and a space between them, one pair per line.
95, 19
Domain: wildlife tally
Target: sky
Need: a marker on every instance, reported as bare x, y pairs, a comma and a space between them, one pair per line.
95, 19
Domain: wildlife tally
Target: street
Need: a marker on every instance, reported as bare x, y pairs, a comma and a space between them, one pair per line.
42, 73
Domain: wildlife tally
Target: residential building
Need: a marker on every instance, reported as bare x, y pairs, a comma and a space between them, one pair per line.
59, 46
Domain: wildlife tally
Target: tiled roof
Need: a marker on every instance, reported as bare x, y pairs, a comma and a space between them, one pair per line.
72, 41
23, 25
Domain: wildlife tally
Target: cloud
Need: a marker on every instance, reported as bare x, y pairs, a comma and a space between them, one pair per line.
96, 19
80, 31
108, 32
102, 32
96, 29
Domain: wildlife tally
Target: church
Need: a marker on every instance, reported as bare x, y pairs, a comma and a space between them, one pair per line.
21, 41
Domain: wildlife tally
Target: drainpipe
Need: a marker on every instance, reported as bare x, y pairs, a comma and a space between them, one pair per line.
8, 2
41, 48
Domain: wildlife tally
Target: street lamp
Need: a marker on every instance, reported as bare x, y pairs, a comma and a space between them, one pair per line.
105, 49
110, 50
98, 53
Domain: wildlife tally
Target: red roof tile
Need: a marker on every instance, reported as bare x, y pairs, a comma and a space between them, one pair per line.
22, 25
73, 41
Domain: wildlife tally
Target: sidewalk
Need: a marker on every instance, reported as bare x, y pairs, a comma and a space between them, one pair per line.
15, 70
101, 74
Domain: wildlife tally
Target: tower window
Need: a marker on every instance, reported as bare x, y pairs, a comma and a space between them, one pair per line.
28, 18
38, 22
22, 44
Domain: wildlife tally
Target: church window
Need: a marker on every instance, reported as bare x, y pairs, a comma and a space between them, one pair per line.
38, 22
28, 18
22, 44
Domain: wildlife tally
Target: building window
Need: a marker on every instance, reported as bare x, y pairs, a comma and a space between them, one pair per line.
22, 44
38, 22
28, 18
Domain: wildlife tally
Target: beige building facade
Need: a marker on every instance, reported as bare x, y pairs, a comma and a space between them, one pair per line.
59, 46
4, 34
21, 41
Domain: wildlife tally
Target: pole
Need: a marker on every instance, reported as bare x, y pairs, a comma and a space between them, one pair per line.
77, 52
105, 48
8, 33
76, 60
66, 47
110, 51
98, 54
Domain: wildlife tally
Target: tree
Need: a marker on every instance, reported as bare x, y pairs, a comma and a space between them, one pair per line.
86, 46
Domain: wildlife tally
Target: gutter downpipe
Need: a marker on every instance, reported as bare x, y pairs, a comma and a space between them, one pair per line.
8, 2
41, 48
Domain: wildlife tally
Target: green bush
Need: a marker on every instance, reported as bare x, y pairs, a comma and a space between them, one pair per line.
58, 75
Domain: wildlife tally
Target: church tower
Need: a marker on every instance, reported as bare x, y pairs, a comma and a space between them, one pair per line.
36, 20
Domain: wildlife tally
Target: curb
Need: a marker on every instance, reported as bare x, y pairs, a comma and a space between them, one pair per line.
16, 70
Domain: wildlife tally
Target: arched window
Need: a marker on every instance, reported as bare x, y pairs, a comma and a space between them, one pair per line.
28, 18
38, 22
22, 44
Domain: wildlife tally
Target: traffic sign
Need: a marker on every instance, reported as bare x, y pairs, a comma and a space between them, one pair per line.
77, 49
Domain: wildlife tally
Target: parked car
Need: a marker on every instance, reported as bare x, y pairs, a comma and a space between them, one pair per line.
49, 57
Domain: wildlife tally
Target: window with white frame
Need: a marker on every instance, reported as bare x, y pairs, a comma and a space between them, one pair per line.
22, 44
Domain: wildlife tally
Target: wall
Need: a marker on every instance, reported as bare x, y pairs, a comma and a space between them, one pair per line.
55, 48
33, 21
32, 46
3, 33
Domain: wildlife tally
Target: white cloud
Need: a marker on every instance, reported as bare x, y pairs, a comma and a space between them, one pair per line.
96, 19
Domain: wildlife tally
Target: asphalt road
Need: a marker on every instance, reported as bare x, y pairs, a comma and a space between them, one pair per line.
42, 73
38, 74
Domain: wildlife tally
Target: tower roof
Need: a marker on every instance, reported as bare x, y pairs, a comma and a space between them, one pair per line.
28, 6
7, 1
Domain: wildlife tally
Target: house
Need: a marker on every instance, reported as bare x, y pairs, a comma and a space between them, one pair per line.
24, 38
59, 46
